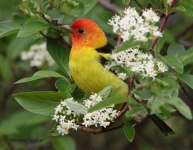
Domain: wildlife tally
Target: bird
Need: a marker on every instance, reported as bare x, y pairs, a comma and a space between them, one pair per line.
89, 52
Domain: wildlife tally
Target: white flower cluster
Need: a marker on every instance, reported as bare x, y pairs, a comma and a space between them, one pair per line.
68, 119
65, 118
102, 117
139, 62
38, 55
133, 26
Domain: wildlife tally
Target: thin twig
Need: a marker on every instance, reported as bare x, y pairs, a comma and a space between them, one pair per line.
107, 129
184, 31
60, 39
119, 37
163, 24
110, 6
138, 4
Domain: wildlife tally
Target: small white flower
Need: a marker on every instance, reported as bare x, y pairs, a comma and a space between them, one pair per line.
58, 108
56, 117
122, 76
169, 2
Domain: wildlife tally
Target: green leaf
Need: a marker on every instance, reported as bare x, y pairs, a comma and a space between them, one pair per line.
41, 74
188, 57
174, 63
64, 143
188, 5
54, 131
177, 50
10, 125
134, 111
8, 27
32, 27
60, 54
42, 103
15, 49
109, 101
127, 45
65, 86
129, 132
5, 68
187, 78
88, 5
76, 107
180, 106
178, 9
105, 92
165, 4
144, 94
159, 45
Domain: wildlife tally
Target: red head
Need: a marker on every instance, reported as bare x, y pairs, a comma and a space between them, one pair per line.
85, 32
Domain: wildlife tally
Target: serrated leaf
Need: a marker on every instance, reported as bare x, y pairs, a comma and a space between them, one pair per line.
41, 74
32, 27
178, 9
127, 45
88, 5
174, 63
109, 101
8, 27
175, 49
187, 78
129, 132
42, 103
180, 106
60, 54
64, 143
76, 107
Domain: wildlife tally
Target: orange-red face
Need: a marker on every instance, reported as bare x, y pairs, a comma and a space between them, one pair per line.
85, 32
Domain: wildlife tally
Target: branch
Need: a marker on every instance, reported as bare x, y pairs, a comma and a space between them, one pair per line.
184, 31
107, 129
60, 39
163, 24
109, 6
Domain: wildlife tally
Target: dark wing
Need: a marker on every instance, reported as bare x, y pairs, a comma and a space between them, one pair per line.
105, 49
165, 129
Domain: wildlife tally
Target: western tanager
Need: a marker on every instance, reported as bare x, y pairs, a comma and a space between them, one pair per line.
90, 50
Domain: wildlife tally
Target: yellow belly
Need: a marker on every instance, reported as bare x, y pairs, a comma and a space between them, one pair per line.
90, 75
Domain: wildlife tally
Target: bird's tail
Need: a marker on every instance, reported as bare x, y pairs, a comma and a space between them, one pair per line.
165, 129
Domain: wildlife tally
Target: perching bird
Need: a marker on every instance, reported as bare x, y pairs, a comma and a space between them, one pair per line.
89, 51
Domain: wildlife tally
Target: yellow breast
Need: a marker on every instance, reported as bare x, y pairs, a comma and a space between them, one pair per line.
89, 74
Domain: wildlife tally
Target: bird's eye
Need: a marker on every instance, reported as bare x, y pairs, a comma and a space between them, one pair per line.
80, 31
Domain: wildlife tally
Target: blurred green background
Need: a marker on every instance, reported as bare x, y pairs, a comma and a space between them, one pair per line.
17, 123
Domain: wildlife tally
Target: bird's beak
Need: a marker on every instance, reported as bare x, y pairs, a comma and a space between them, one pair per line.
67, 27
